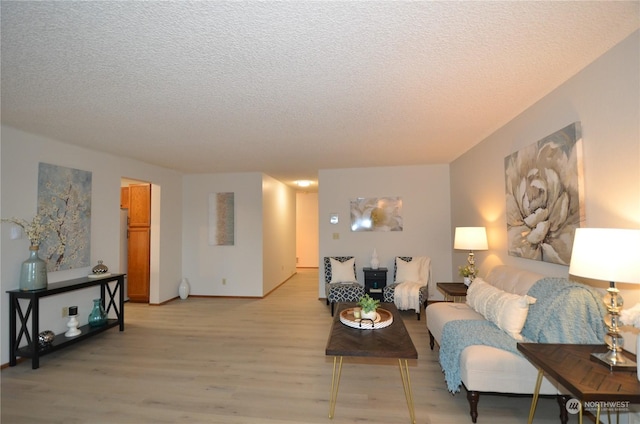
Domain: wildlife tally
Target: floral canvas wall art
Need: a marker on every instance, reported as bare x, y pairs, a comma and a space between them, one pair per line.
64, 198
376, 214
544, 194
221, 219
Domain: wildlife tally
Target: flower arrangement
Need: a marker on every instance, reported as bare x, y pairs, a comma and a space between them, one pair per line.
465, 271
631, 316
37, 230
368, 304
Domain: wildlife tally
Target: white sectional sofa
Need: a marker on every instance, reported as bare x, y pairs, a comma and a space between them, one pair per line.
485, 368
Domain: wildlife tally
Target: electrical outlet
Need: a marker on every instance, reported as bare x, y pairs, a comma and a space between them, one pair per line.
65, 311
224, 281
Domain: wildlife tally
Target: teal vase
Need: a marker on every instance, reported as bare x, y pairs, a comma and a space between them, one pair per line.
33, 274
97, 317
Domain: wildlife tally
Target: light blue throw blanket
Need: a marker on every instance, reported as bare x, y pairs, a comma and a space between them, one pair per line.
565, 312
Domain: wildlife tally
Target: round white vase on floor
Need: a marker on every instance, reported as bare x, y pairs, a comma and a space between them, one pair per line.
184, 288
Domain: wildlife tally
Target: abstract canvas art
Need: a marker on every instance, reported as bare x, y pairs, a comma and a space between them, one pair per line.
376, 214
544, 194
64, 197
221, 219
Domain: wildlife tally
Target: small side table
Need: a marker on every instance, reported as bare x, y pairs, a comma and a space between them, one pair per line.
453, 291
589, 381
375, 281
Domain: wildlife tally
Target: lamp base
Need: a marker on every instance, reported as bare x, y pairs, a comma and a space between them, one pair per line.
615, 361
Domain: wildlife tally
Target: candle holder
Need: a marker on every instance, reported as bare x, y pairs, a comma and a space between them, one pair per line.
73, 323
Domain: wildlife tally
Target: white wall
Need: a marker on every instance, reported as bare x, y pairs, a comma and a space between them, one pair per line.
307, 229
604, 98
263, 255
425, 209
21, 153
278, 232
241, 264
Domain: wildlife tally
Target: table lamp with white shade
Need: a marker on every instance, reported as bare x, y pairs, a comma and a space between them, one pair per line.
471, 238
610, 255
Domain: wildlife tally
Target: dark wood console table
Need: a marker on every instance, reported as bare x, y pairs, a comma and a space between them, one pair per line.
112, 299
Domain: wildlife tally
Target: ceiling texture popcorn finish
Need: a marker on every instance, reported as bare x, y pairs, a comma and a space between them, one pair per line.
287, 88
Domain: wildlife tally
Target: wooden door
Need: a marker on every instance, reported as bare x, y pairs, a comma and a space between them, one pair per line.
139, 244
138, 264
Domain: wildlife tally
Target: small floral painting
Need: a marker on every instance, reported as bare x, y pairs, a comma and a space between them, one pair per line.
544, 191
64, 199
376, 214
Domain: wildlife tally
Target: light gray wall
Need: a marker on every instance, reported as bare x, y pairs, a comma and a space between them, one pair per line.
21, 152
278, 233
426, 212
241, 264
604, 98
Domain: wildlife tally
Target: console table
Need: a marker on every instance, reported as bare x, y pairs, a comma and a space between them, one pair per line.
112, 299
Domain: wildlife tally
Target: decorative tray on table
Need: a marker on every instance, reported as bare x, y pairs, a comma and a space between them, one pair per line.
383, 319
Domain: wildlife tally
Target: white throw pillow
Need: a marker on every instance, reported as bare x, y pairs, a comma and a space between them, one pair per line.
342, 272
506, 310
407, 271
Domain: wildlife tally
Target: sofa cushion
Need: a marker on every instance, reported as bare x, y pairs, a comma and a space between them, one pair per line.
506, 310
512, 280
342, 272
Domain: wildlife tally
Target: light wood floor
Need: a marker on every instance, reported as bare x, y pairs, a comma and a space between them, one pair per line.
237, 361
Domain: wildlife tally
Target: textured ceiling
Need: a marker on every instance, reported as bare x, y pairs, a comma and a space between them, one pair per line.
288, 88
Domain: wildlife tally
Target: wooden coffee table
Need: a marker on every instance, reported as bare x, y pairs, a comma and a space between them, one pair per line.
389, 342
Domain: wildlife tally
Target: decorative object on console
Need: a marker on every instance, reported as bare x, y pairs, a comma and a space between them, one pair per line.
375, 262
33, 273
101, 268
544, 196
73, 323
470, 238
610, 255
369, 306
45, 338
97, 317
184, 289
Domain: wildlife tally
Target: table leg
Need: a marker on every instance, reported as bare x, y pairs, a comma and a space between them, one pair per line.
335, 383
406, 385
536, 392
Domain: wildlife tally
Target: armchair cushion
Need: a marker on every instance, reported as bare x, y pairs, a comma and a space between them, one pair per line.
407, 271
342, 272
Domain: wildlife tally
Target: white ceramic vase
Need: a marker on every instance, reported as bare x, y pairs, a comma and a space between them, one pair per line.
372, 315
467, 281
374, 260
184, 288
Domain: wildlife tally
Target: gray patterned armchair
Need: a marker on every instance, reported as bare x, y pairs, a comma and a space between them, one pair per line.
340, 280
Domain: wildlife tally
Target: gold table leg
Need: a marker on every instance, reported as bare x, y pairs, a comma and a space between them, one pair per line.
335, 383
406, 385
536, 393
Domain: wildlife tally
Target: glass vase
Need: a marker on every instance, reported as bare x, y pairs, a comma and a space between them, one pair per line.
33, 275
97, 317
